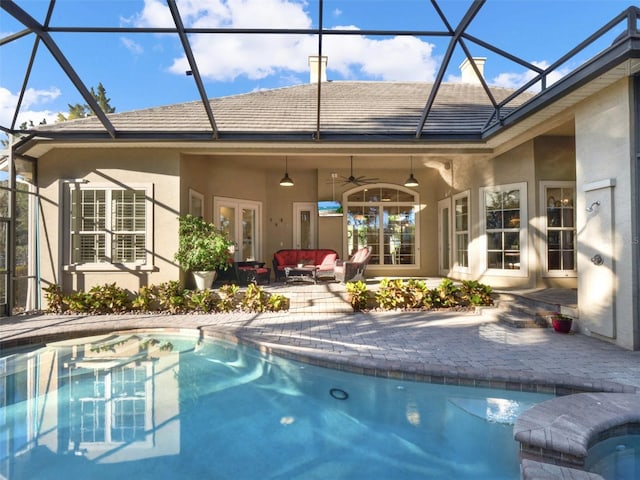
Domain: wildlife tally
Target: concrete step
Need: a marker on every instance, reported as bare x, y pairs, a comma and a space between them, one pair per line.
522, 320
521, 311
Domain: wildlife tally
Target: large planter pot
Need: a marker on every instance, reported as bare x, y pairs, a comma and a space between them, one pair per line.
561, 324
204, 280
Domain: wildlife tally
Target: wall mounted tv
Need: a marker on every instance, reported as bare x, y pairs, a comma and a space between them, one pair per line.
329, 208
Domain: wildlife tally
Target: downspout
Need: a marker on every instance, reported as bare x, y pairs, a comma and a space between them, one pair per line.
635, 213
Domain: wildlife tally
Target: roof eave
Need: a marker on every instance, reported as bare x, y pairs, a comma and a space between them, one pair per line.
596, 67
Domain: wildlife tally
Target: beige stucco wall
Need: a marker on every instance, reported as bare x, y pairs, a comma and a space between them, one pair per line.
554, 161
604, 155
542, 159
471, 175
159, 167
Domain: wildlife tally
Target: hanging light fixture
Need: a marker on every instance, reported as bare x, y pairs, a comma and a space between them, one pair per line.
286, 180
411, 181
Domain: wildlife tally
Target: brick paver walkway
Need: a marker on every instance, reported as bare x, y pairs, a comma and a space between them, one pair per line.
444, 345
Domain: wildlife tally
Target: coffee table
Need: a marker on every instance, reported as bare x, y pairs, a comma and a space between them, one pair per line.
301, 274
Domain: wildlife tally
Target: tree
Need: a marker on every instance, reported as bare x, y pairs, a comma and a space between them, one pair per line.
23, 126
101, 98
79, 110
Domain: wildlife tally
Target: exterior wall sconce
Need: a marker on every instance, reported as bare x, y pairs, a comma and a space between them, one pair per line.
411, 181
286, 180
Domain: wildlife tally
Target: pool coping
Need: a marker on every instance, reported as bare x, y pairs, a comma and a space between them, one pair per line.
542, 456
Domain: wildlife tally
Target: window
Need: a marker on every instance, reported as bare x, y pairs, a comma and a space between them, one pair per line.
108, 226
461, 231
383, 218
504, 206
558, 203
196, 203
112, 405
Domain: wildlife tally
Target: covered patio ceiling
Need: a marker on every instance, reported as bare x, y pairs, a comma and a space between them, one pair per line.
503, 112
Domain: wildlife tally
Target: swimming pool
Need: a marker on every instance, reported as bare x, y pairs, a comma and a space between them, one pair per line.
151, 406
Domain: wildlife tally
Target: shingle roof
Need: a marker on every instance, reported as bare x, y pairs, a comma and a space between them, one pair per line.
347, 108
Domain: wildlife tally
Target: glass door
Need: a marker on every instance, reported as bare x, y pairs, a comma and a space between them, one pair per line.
240, 220
304, 224
444, 232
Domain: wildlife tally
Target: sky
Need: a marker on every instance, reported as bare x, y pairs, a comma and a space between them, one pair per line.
141, 70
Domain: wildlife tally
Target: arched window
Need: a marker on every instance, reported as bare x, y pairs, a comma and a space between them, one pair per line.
384, 218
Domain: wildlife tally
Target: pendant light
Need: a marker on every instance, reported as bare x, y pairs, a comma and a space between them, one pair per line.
411, 181
286, 180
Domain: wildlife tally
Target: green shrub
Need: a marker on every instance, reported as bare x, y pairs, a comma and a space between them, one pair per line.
202, 301
391, 294
143, 301
108, 298
358, 295
228, 300
398, 294
475, 293
78, 302
417, 295
55, 299
277, 303
171, 296
255, 299
446, 294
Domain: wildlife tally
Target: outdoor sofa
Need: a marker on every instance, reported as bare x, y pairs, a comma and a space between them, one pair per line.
323, 259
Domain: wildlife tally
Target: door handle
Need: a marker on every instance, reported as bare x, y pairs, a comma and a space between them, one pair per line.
597, 259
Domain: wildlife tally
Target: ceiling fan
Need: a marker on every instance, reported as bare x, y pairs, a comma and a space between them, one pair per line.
361, 180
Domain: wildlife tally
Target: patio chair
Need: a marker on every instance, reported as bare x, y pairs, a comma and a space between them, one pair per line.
353, 269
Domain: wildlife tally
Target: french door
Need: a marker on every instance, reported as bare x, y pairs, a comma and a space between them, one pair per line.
241, 220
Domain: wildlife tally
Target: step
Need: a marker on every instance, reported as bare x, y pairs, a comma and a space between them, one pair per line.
521, 320
520, 311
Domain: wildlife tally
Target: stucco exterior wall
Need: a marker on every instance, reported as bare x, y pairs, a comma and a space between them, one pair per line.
279, 209
603, 174
554, 161
471, 175
158, 167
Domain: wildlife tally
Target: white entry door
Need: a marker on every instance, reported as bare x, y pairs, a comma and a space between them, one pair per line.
444, 236
305, 221
241, 220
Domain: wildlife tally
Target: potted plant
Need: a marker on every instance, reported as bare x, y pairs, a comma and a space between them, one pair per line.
203, 249
561, 323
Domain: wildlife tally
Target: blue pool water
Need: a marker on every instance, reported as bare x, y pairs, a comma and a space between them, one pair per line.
146, 406
616, 458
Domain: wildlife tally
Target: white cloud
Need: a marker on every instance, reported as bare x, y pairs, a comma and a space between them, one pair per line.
391, 59
153, 14
337, 12
227, 57
517, 80
132, 45
30, 103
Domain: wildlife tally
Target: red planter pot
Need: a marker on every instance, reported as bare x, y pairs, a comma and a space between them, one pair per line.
561, 325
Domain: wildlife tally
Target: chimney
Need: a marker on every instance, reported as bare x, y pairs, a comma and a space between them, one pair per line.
314, 64
468, 74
